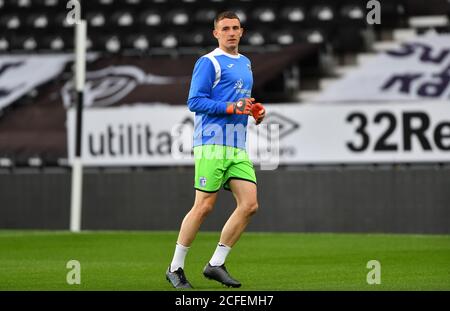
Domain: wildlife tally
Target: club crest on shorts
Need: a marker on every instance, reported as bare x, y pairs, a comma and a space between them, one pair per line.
202, 181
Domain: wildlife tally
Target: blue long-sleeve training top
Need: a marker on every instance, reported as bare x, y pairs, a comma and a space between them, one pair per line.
219, 78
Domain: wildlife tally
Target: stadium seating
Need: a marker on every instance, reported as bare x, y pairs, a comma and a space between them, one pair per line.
174, 28
41, 24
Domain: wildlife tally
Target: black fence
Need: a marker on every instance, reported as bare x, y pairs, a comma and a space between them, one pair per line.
391, 199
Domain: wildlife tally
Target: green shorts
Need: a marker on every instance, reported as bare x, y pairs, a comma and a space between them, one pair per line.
216, 165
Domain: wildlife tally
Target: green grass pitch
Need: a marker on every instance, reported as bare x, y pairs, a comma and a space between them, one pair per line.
36, 260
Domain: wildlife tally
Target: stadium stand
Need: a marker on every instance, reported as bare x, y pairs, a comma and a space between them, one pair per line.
298, 21
310, 37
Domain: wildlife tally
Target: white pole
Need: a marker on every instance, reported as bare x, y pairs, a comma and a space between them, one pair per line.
80, 54
76, 197
77, 165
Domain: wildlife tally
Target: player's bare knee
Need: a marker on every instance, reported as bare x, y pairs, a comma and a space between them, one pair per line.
254, 208
202, 209
250, 208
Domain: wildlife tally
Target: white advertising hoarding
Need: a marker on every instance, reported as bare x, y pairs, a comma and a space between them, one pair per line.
302, 134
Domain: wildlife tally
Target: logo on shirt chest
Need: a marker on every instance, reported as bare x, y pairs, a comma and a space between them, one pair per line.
239, 88
239, 84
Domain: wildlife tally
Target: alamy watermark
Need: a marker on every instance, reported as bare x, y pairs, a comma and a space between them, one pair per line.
374, 275
264, 147
73, 277
374, 15
74, 14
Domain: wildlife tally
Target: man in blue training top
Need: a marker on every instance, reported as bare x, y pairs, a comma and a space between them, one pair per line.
220, 96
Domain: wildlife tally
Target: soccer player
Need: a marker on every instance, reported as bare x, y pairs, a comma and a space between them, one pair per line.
220, 96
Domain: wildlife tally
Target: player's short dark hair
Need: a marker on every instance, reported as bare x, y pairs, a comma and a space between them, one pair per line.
226, 14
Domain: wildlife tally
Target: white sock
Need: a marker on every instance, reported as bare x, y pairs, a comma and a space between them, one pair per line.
178, 257
220, 255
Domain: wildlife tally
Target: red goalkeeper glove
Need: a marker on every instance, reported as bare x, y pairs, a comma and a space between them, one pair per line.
258, 112
242, 106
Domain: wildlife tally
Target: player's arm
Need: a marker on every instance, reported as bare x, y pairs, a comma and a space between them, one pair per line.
200, 91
